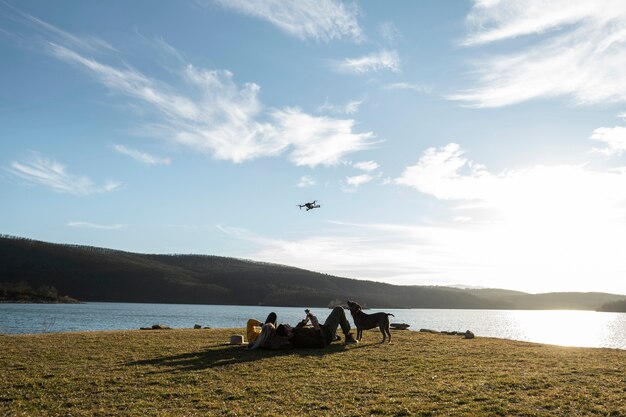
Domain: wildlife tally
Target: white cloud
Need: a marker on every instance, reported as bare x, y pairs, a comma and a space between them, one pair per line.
379, 252
351, 107
613, 137
318, 140
354, 181
306, 181
89, 225
321, 20
366, 166
208, 112
544, 193
578, 50
438, 173
539, 228
556, 208
212, 114
378, 61
53, 175
448, 253
142, 157
418, 88
357, 180
389, 32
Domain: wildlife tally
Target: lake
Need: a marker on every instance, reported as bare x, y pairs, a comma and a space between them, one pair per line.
567, 328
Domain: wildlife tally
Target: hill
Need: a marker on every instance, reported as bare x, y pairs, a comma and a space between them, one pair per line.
618, 306
98, 274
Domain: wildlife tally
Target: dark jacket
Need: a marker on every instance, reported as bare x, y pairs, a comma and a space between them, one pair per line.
309, 337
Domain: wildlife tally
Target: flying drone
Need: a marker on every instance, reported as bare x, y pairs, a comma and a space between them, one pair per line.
309, 206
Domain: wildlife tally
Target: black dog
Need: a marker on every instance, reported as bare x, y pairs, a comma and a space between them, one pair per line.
364, 321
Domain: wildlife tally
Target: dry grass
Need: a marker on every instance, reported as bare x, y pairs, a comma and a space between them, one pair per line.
191, 372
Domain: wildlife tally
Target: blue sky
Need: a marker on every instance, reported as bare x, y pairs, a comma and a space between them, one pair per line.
477, 143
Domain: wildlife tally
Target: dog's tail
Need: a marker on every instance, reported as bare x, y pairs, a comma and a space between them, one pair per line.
389, 314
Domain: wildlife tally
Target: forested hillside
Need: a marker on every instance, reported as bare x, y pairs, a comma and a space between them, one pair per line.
97, 274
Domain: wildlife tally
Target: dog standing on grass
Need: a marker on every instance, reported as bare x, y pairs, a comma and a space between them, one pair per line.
364, 321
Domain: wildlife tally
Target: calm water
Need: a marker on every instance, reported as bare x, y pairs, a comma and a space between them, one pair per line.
568, 328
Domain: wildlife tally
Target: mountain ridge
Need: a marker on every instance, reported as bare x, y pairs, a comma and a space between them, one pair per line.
91, 273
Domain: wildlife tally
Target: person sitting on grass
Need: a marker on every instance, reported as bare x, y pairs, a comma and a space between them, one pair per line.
303, 336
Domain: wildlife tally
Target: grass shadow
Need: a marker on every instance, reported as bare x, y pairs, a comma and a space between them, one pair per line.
219, 355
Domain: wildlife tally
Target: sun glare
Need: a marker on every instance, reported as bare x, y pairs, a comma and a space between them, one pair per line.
563, 327
561, 223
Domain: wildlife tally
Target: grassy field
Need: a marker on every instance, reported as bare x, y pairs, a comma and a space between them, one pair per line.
192, 372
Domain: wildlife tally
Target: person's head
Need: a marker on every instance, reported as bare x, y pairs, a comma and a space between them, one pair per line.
271, 318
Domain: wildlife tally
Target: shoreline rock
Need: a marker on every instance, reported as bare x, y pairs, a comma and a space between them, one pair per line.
156, 327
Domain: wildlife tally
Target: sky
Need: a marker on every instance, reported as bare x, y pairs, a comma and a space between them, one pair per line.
477, 143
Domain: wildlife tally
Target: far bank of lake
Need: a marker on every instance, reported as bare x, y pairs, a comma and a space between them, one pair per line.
560, 327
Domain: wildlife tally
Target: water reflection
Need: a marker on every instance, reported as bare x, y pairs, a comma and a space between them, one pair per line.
567, 328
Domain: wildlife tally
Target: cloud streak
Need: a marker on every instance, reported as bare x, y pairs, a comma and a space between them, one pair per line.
305, 181
320, 20
210, 113
142, 157
384, 60
54, 176
578, 51
350, 108
89, 225
418, 88
367, 166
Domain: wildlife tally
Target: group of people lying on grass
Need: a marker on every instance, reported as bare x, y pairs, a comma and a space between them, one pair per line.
269, 335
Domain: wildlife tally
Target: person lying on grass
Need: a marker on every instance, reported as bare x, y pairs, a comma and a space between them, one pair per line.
302, 336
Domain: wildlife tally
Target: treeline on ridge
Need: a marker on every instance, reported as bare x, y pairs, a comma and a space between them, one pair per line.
97, 274
23, 292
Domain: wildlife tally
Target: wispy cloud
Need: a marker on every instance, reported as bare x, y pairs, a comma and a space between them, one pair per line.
384, 60
142, 157
53, 175
360, 251
350, 108
89, 225
418, 88
52, 33
210, 113
321, 20
389, 32
578, 50
366, 166
305, 181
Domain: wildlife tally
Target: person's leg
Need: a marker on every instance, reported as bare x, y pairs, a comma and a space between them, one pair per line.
337, 318
253, 330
